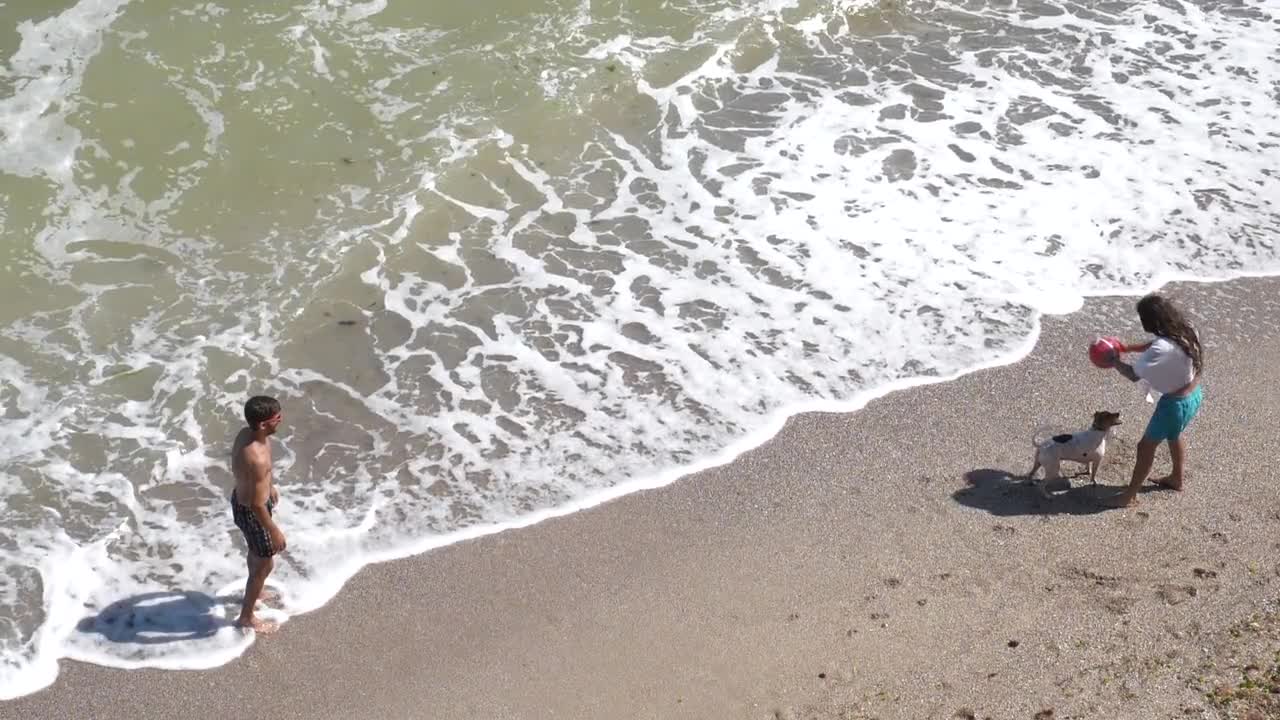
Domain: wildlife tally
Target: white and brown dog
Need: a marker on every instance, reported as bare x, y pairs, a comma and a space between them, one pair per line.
1087, 447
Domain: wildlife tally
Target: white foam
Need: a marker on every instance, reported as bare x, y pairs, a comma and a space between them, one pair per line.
47, 69
774, 242
365, 10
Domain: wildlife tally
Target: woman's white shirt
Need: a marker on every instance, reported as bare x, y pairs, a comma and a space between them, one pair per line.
1164, 367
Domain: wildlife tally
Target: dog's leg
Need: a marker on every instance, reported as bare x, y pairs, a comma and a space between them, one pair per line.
1093, 471
1035, 465
1052, 471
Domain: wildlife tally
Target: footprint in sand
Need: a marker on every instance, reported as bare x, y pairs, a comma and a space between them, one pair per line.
1139, 517
1119, 605
1176, 594
1106, 581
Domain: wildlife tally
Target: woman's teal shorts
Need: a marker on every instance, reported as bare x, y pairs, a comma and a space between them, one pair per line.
1172, 415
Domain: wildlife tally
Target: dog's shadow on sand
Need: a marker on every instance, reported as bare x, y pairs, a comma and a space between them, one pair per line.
1000, 492
161, 617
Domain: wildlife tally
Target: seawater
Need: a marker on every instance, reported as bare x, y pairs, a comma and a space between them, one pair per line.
504, 260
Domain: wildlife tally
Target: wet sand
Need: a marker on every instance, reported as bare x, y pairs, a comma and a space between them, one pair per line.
885, 563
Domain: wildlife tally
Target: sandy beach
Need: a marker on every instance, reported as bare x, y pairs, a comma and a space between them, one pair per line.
880, 564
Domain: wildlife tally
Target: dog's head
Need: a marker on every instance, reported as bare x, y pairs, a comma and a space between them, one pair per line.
1104, 420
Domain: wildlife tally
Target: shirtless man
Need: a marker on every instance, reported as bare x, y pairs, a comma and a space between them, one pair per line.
254, 500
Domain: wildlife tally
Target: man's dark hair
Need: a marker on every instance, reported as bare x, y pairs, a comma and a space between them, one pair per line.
1162, 318
259, 409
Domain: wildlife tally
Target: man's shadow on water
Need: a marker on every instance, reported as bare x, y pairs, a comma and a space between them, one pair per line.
161, 617
1000, 492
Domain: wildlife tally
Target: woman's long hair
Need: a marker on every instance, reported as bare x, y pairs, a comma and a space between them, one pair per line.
1160, 317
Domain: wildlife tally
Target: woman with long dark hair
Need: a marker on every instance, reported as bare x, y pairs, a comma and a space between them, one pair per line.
1169, 365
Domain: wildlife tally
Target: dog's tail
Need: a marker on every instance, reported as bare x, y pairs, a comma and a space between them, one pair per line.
1038, 438
1042, 434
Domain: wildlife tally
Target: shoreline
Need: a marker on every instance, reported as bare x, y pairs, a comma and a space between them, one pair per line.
725, 509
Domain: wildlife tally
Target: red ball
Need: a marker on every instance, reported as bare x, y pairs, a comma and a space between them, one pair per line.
1104, 351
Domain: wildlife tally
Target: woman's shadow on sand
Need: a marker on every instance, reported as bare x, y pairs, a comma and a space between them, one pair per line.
161, 617
1000, 492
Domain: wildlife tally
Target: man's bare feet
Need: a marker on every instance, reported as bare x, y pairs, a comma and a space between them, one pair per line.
1168, 481
258, 625
1120, 501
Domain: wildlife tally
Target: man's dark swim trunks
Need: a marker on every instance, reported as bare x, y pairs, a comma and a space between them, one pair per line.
255, 535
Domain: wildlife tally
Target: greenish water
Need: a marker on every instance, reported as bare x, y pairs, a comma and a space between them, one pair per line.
503, 259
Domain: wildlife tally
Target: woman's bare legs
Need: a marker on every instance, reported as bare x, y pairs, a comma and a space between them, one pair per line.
1141, 469
1178, 452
